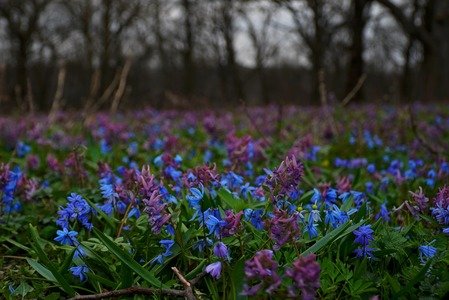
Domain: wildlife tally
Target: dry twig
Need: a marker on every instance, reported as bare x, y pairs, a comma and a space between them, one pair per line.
187, 292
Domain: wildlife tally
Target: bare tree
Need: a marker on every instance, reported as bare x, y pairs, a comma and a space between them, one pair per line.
22, 19
189, 47
315, 29
103, 26
264, 48
358, 19
432, 32
225, 28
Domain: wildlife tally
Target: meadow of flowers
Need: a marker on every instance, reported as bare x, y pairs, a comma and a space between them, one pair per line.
342, 204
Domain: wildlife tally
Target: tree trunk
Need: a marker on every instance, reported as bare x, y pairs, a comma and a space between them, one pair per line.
188, 53
356, 63
22, 72
317, 49
228, 32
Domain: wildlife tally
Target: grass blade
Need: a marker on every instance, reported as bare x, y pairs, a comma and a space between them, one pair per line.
128, 260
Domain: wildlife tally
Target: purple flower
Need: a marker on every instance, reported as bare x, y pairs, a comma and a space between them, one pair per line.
441, 210
232, 223
158, 216
420, 201
147, 183
306, 277
240, 150
261, 272
286, 178
283, 228
221, 251
202, 175
442, 197
214, 269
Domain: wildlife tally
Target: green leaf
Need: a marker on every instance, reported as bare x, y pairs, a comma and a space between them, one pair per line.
19, 245
128, 260
417, 278
309, 175
197, 270
231, 202
43, 257
102, 280
23, 289
125, 276
67, 261
236, 275
337, 233
41, 269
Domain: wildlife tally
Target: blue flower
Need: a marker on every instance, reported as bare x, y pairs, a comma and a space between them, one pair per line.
247, 190
232, 181
383, 213
66, 237
132, 148
195, 197
134, 212
158, 161
107, 189
441, 214
311, 229
255, 217
107, 208
77, 209
426, 252
316, 196
178, 159
369, 187
371, 168
364, 251
173, 173
214, 269
22, 149
167, 244
331, 196
80, 272
9, 189
201, 244
104, 147
214, 224
364, 237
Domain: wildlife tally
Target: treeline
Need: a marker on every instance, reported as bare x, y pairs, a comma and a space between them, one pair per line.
98, 54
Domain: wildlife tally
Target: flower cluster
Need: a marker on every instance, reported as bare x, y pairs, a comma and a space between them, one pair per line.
261, 274
157, 213
305, 274
9, 181
283, 228
364, 237
286, 178
77, 209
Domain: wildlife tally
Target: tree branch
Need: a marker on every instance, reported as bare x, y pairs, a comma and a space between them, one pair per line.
407, 25
187, 292
132, 291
